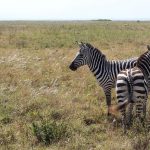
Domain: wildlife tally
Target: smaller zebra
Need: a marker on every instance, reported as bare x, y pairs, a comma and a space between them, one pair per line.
132, 89
104, 70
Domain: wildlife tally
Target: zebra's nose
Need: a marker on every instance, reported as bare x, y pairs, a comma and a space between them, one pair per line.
73, 67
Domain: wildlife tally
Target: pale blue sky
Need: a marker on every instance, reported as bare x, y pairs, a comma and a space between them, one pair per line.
74, 9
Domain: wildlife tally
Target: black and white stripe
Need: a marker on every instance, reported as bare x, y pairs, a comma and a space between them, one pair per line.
132, 87
104, 70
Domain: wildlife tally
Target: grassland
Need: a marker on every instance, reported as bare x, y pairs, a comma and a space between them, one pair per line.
40, 96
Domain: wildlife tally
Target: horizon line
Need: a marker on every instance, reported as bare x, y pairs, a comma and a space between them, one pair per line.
74, 20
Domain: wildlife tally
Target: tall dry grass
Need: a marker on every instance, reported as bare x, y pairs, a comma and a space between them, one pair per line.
37, 87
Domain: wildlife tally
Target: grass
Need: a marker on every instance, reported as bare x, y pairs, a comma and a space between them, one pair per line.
49, 132
36, 84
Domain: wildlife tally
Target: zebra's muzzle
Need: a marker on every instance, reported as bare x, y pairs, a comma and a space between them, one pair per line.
73, 67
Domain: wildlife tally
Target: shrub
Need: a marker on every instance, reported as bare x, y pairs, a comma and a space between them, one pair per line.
50, 132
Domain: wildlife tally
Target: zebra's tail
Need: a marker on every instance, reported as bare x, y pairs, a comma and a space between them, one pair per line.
148, 47
114, 109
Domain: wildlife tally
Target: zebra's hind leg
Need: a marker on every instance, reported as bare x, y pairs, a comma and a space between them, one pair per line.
140, 112
124, 120
144, 107
143, 118
129, 115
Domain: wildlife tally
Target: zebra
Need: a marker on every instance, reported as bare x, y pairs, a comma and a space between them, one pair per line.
132, 86
104, 70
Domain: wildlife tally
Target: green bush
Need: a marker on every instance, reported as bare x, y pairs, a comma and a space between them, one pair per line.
50, 132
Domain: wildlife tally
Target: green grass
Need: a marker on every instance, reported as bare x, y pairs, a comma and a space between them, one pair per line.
36, 84
50, 132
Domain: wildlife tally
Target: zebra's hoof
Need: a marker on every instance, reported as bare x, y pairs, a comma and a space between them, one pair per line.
108, 114
114, 122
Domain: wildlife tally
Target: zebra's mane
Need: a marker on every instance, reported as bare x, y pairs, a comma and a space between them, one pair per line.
92, 48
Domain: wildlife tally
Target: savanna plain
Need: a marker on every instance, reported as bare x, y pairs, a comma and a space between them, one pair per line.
46, 106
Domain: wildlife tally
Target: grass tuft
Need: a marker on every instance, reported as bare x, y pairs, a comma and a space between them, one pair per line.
6, 120
141, 143
56, 115
7, 137
50, 132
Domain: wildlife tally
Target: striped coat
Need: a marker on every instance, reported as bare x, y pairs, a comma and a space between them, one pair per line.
104, 70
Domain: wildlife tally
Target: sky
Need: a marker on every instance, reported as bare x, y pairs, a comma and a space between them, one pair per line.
74, 9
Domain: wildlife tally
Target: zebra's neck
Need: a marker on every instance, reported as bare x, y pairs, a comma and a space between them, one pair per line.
97, 62
98, 66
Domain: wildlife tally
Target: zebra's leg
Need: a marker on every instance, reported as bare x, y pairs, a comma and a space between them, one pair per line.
129, 115
123, 118
144, 107
143, 119
108, 100
140, 111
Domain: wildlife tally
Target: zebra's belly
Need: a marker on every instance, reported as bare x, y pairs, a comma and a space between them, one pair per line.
106, 83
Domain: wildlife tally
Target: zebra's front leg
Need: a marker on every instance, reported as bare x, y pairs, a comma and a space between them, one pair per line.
108, 100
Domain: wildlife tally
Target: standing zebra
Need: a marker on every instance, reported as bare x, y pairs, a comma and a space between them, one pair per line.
132, 87
105, 71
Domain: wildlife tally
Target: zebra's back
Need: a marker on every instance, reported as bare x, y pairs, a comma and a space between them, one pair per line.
119, 65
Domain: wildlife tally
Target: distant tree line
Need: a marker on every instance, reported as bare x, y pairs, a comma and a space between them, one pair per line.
102, 20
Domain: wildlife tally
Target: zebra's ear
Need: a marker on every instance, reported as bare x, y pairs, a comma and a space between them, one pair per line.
81, 44
77, 42
148, 47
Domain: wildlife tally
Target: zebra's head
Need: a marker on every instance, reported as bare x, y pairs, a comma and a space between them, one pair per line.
81, 57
